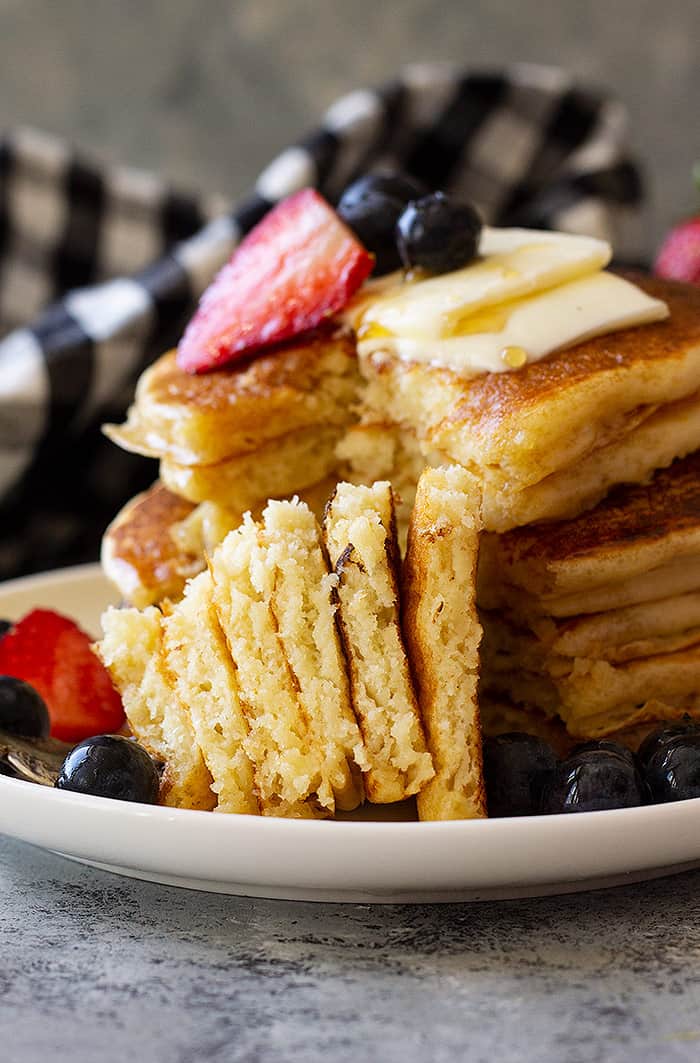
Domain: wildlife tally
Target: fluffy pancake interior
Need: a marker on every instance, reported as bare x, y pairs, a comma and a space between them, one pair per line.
304, 611
273, 597
287, 768
361, 542
200, 666
374, 451
132, 651
277, 468
442, 634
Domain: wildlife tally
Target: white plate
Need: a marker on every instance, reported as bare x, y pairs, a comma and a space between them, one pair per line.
338, 861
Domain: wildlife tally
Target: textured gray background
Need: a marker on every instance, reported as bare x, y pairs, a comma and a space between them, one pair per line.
95, 967
207, 90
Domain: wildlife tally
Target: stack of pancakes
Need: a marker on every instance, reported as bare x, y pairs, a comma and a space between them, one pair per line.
597, 619
589, 603
587, 588
548, 441
280, 683
226, 442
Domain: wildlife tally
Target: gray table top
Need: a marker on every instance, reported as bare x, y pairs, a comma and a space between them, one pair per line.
108, 968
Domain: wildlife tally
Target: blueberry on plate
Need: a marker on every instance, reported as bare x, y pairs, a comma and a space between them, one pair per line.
438, 234
593, 780
661, 736
110, 766
610, 747
672, 767
371, 206
518, 769
23, 711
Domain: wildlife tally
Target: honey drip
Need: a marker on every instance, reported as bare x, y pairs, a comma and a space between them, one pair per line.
515, 357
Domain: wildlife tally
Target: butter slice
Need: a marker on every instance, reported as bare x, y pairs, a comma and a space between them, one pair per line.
512, 263
559, 317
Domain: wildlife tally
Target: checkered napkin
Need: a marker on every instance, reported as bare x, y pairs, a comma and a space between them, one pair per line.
100, 268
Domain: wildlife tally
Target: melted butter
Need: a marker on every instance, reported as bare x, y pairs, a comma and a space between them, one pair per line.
526, 330
373, 331
512, 264
494, 319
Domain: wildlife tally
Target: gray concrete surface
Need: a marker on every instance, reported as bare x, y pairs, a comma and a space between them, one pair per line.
97, 967
208, 90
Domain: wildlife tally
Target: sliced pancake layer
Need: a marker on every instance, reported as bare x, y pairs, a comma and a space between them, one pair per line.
443, 633
201, 670
273, 591
360, 536
372, 451
159, 540
132, 651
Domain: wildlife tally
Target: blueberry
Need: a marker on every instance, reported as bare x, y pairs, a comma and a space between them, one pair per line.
22, 709
659, 738
371, 207
672, 768
518, 768
595, 779
110, 766
438, 234
5, 626
608, 746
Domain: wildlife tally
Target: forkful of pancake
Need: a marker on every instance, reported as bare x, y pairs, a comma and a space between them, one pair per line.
395, 511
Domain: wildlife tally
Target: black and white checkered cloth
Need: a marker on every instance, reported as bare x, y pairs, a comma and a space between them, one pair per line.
101, 268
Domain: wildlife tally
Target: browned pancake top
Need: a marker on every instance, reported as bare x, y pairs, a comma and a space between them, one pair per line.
629, 515
288, 368
487, 400
139, 536
498, 395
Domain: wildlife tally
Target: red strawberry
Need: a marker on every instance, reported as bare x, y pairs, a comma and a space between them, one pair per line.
53, 654
679, 257
299, 265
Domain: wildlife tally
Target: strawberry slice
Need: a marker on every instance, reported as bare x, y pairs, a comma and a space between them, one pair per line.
299, 265
54, 655
679, 257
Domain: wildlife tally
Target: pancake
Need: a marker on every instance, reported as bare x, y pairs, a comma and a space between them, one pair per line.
158, 540
635, 531
518, 429
669, 580
621, 634
442, 634
374, 451
202, 672
280, 467
273, 597
360, 537
591, 695
142, 554
132, 651
671, 432
203, 419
